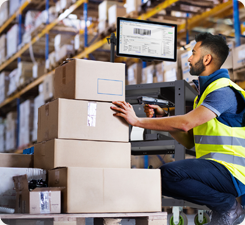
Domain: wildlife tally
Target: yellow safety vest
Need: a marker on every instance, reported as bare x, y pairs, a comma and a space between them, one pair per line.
219, 142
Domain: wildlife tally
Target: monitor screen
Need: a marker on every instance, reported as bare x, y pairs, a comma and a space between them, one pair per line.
146, 39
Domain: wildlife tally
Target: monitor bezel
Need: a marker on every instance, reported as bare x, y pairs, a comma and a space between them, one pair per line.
146, 58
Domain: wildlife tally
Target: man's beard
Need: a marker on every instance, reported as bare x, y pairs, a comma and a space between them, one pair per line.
198, 68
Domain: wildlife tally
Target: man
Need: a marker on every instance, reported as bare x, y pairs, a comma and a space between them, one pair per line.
215, 126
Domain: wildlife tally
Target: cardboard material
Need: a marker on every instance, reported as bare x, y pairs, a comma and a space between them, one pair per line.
16, 160
95, 190
239, 57
48, 89
7, 191
134, 74
38, 201
73, 119
90, 80
75, 153
10, 136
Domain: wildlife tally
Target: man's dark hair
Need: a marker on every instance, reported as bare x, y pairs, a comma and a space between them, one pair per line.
216, 44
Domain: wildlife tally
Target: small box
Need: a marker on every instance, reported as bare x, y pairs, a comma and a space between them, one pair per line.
62, 39
114, 12
25, 72
90, 80
16, 160
239, 57
98, 190
43, 200
52, 154
82, 120
37, 70
7, 190
134, 74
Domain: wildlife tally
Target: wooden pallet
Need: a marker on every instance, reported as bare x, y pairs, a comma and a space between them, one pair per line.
159, 218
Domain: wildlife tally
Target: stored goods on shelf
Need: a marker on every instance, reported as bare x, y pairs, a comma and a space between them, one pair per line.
79, 41
160, 72
7, 190
170, 71
52, 154
64, 4
30, 20
110, 190
133, 6
134, 75
58, 7
90, 80
2, 137
44, 16
104, 7
4, 85
4, 12
228, 64
38, 102
61, 40
26, 123
66, 51
239, 57
37, 201
3, 42
13, 81
73, 119
12, 40
37, 70
25, 72
114, 12
13, 6
147, 74
48, 87
51, 62
102, 26
186, 67
16, 160
10, 135
3, 48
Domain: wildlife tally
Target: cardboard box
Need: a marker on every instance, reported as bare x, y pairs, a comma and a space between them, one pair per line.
239, 57
16, 160
13, 6
10, 136
48, 89
37, 70
147, 74
97, 190
13, 81
12, 40
170, 71
90, 80
42, 200
7, 191
186, 68
133, 6
25, 72
103, 9
114, 12
228, 64
2, 137
4, 12
62, 39
4, 85
134, 75
52, 154
72, 119
3, 42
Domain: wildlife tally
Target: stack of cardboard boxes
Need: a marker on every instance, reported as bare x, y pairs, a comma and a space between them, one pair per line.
3, 48
86, 148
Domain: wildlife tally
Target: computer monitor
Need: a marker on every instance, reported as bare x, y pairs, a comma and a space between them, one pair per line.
147, 40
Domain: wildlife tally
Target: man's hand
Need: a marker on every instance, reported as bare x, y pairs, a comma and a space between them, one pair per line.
149, 110
126, 111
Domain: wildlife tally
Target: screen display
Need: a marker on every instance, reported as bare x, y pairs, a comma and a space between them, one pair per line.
146, 39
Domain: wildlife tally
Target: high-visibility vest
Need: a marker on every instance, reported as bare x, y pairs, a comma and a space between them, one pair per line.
219, 142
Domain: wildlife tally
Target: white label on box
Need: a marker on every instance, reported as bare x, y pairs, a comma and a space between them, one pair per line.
241, 54
92, 108
44, 202
110, 87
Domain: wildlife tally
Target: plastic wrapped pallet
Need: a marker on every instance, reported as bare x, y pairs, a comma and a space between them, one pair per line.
30, 19
12, 40
2, 131
10, 138
133, 6
114, 12
43, 16
24, 72
103, 9
38, 102
26, 122
13, 81
62, 39
4, 12
4, 83
13, 6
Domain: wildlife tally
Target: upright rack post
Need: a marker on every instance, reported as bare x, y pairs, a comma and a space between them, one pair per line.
20, 31
85, 15
187, 30
47, 36
237, 25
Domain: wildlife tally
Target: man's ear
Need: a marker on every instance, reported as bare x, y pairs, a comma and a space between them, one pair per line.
207, 59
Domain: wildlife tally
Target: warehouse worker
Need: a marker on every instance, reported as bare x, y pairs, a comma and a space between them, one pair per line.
216, 126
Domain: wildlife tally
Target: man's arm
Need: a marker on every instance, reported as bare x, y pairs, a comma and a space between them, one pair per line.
178, 126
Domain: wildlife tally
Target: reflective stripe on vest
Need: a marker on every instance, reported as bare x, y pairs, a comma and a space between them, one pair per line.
225, 158
219, 140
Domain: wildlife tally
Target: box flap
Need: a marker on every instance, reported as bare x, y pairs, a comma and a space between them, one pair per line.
21, 183
43, 189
